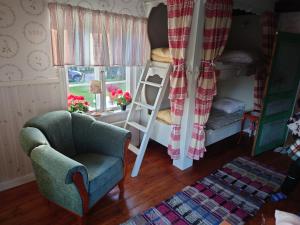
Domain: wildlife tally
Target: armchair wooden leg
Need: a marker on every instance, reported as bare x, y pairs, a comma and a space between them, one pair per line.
121, 183
121, 187
78, 180
82, 220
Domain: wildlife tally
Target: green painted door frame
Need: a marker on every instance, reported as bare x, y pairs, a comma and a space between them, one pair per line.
280, 94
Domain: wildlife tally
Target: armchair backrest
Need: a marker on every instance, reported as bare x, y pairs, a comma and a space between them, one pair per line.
57, 128
81, 125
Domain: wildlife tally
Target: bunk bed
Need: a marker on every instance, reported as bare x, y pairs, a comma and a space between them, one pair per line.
220, 124
195, 124
235, 71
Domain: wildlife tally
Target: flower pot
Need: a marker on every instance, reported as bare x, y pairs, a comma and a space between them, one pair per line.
123, 107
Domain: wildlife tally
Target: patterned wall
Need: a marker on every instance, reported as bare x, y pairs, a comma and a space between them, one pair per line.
24, 41
130, 7
29, 85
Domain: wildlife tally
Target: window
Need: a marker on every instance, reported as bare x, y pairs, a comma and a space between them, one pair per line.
113, 78
79, 80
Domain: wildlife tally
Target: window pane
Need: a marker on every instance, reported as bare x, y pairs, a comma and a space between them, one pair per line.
110, 87
115, 78
80, 74
79, 83
115, 73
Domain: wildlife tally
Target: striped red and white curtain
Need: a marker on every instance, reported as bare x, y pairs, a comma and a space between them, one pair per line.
180, 14
217, 23
82, 36
268, 24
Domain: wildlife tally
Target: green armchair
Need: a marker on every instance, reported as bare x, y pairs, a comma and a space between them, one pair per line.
76, 159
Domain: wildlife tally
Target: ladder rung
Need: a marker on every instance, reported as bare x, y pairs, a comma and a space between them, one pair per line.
137, 126
147, 106
134, 149
151, 84
159, 65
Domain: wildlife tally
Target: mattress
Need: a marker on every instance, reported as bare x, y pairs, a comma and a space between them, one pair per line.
217, 119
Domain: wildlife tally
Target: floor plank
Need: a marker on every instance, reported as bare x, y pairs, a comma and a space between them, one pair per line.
157, 180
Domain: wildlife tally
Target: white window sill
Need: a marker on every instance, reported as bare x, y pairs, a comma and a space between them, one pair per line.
116, 117
112, 113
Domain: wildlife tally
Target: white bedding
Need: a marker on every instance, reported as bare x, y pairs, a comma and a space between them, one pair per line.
228, 105
217, 119
238, 63
161, 132
239, 56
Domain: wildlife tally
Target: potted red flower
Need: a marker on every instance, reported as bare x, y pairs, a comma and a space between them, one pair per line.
111, 88
77, 104
122, 98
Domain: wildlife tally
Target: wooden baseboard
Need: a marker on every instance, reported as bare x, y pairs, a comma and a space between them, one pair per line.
16, 182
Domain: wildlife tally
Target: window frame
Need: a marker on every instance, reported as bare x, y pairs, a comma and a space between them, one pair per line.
100, 74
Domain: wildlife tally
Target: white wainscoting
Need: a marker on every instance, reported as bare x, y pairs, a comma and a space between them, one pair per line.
16, 182
20, 101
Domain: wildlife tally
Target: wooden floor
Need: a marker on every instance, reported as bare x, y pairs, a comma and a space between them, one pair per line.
157, 180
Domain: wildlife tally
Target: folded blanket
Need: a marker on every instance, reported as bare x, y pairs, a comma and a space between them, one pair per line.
163, 52
161, 59
161, 55
294, 150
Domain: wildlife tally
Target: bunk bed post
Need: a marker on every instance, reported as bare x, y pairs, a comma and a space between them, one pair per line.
193, 60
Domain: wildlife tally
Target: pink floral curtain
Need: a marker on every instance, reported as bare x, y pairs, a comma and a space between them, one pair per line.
179, 26
268, 24
81, 36
218, 14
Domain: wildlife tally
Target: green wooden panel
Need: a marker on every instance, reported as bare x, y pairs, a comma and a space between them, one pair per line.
281, 93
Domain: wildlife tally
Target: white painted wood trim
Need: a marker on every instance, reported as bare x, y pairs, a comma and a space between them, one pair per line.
119, 123
32, 82
193, 63
16, 182
149, 4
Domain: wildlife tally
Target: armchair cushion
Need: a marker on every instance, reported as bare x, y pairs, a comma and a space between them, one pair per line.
103, 171
57, 128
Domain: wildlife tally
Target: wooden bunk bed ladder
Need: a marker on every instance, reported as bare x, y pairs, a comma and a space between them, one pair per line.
163, 70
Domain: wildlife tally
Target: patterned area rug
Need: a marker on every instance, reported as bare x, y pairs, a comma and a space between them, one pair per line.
233, 193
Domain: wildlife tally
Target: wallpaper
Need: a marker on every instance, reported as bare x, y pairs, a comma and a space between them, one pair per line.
24, 41
130, 7
25, 52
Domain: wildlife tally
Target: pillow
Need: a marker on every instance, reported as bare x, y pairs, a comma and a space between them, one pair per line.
236, 56
228, 105
284, 218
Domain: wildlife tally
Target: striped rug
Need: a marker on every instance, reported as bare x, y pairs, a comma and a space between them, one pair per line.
233, 193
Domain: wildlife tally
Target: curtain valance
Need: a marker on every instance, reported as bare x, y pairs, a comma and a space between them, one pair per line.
81, 36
